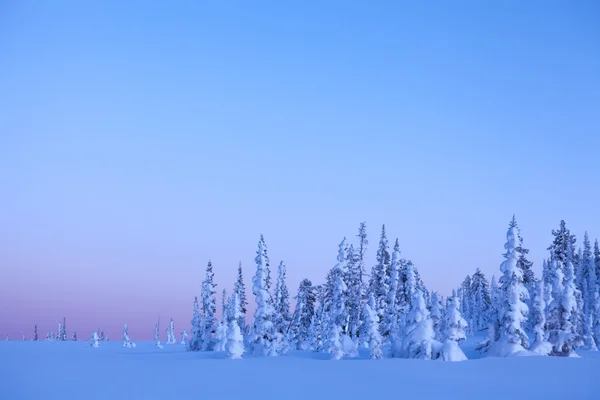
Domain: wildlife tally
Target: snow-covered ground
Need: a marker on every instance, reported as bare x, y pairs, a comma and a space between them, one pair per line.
74, 370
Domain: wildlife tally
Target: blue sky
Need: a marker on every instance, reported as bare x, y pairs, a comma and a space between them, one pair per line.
137, 140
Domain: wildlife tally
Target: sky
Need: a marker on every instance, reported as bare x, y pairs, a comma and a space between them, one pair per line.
138, 140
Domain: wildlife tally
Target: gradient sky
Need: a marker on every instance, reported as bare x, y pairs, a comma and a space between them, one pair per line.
139, 140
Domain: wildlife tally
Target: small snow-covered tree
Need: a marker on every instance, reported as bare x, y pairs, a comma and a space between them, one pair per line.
371, 329
35, 334
184, 337
465, 302
454, 331
363, 242
480, 301
419, 341
265, 339
437, 315
514, 312
196, 340
171, 339
209, 309
355, 289
95, 340
126, 342
221, 336
74, 336
157, 335
338, 313
303, 315
538, 320
563, 244
235, 341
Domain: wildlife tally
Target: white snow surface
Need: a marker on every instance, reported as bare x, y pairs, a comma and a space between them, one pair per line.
61, 370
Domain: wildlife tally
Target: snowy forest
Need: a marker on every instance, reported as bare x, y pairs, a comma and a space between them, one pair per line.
390, 311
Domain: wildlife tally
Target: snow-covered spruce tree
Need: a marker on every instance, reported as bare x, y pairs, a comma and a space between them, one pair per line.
171, 339
548, 279
419, 341
95, 340
355, 289
589, 291
265, 338
126, 342
240, 289
378, 284
480, 301
157, 335
390, 319
62, 330
316, 330
437, 315
562, 311
465, 302
221, 336
563, 241
209, 309
267, 265
59, 332
454, 331
597, 262
339, 312
35, 334
184, 337
370, 329
234, 346
303, 314
363, 242
195, 343
514, 311
538, 320
282, 302
522, 262
74, 336
493, 317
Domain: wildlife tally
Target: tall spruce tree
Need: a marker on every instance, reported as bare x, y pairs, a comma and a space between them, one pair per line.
379, 281
240, 289
390, 319
562, 242
363, 242
265, 339
355, 290
538, 317
514, 310
339, 312
209, 309
195, 343
589, 290
282, 301
480, 301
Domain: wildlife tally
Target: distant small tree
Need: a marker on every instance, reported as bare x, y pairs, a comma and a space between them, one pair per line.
157, 335
184, 337
74, 336
95, 340
126, 341
35, 334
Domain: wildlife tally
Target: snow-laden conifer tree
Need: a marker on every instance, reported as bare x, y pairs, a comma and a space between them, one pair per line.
589, 292
390, 318
437, 315
480, 301
195, 343
454, 331
523, 263
266, 266
157, 335
221, 336
419, 341
363, 242
562, 310
171, 339
303, 314
59, 332
514, 311
74, 336
35, 334
234, 345
184, 337
126, 342
95, 340
548, 278
371, 329
265, 338
282, 302
597, 261
493, 317
538, 321
562, 244
355, 294
240, 289
209, 309
378, 284
339, 312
